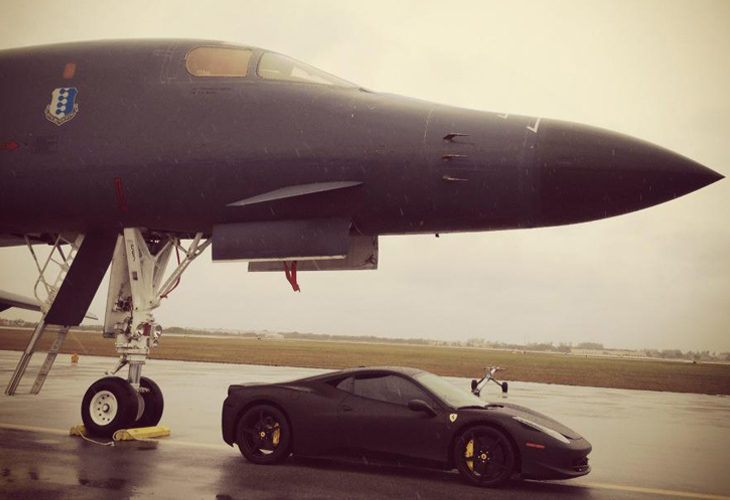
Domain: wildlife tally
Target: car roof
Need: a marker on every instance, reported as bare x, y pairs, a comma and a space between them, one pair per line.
402, 370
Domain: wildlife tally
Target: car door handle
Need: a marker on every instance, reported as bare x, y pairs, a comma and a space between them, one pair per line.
346, 408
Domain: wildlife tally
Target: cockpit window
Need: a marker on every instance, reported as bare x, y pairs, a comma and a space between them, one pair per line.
218, 61
273, 66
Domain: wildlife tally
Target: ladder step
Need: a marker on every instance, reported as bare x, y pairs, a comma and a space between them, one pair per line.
25, 358
50, 358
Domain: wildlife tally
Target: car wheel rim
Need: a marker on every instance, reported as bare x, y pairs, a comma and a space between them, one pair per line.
262, 433
103, 408
485, 455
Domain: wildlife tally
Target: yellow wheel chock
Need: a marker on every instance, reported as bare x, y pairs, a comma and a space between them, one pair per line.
139, 433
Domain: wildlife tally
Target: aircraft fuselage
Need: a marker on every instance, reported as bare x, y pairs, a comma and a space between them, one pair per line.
150, 145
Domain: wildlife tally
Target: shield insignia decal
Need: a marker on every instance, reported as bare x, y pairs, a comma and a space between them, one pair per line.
63, 106
452, 417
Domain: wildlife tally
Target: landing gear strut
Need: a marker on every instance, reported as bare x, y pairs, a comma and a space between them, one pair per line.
136, 287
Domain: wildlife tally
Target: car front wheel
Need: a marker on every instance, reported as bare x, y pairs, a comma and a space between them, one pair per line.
264, 435
485, 456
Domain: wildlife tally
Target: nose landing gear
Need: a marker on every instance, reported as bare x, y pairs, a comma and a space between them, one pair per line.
136, 287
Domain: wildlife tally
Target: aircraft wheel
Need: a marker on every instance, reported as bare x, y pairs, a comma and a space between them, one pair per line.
109, 404
485, 456
151, 403
264, 435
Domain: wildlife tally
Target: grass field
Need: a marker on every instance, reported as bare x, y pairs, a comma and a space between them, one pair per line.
461, 362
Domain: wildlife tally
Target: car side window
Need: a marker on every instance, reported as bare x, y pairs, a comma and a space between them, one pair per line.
344, 385
388, 388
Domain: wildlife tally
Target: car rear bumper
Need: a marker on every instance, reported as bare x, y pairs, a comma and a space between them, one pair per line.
228, 421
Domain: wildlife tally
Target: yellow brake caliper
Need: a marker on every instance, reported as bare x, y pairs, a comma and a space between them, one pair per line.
276, 434
469, 453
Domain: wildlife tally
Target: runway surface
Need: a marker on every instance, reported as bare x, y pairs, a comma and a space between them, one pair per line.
646, 444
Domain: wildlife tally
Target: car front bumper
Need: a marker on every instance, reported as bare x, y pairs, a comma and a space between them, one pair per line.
559, 461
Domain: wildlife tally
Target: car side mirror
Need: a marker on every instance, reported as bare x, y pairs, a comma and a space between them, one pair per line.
421, 405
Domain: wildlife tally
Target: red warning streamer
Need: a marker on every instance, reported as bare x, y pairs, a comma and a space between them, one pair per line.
120, 195
291, 276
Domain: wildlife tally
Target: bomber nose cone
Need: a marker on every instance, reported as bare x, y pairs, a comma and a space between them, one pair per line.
584, 173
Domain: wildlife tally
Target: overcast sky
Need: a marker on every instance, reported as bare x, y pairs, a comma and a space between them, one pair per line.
655, 69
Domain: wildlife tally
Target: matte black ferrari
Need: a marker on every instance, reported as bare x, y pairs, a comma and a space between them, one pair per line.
403, 415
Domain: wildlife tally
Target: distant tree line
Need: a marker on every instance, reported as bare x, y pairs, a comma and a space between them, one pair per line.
19, 323
473, 342
589, 345
534, 346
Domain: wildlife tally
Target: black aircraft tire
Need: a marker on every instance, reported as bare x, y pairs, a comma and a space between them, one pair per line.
493, 457
264, 435
153, 403
109, 404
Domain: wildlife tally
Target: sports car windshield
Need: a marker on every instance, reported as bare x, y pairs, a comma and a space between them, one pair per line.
448, 392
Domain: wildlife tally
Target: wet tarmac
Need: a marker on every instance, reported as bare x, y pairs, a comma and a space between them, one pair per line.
646, 444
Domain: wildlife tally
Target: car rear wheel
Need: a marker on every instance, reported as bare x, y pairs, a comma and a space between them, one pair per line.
264, 435
484, 456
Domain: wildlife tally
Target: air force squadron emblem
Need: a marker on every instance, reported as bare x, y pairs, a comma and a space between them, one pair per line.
63, 106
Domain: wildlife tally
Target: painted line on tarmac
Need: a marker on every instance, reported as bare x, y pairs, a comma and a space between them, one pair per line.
62, 432
598, 486
652, 491
30, 428
193, 444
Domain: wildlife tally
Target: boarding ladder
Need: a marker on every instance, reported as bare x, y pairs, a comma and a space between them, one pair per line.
63, 261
